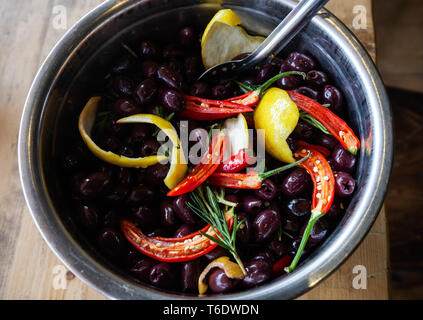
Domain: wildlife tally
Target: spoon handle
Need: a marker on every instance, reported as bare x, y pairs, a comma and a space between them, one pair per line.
286, 30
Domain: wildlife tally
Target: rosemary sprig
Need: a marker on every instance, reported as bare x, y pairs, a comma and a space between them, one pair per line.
311, 120
207, 206
127, 48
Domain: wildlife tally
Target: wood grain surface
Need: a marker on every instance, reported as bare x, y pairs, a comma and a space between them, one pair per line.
28, 268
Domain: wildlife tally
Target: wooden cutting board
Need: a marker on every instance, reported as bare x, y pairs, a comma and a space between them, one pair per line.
28, 269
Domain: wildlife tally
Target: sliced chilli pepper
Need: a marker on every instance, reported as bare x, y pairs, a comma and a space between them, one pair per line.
203, 111
250, 180
237, 162
335, 125
209, 109
172, 249
281, 264
323, 193
252, 97
305, 145
208, 164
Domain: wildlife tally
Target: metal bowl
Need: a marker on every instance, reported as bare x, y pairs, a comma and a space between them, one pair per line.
66, 78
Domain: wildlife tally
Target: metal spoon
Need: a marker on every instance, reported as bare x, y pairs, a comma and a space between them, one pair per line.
293, 23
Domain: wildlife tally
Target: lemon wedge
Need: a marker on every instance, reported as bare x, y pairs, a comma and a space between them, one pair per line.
278, 116
236, 130
223, 39
178, 164
85, 125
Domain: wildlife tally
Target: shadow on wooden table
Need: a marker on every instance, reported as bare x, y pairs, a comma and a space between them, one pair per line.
404, 201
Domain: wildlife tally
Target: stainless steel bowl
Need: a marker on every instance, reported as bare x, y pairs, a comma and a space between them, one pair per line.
65, 80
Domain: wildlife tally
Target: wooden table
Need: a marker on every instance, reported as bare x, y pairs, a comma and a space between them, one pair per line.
28, 267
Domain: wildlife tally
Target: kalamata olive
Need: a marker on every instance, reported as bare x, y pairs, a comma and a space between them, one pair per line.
94, 185
88, 216
344, 184
214, 254
296, 183
172, 100
148, 50
325, 140
123, 64
144, 216
343, 160
115, 129
173, 51
141, 269
267, 191
219, 282
319, 231
146, 91
258, 272
251, 205
244, 232
335, 209
265, 224
291, 225
123, 85
158, 232
278, 248
291, 143
125, 176
200, 89
249, 80
184, 230
303, 131
331, 95
276, 61
316, 79
241, 56
181, 208
111, 243
233, 198
192, 68
265, 73
111, 219
125, 107
190, 272
300, 62
149, 68
170, 77
263, 254
72, 162
139, 132
110, 143
156, 174
308, 92
187, 36
117, 195
294, 245
289, 82
168, 215
298, 207
141, 195
127, 151
220, 92
149, 147
162, 275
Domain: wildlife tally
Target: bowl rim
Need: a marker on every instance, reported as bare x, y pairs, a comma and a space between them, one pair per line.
115, 286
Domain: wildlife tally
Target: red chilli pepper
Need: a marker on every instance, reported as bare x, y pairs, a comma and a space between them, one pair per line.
237, 162
172, 249
251, 180
323, 193
206, 109
281, 264
335, 125
305, 145
208, 164
252, 97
